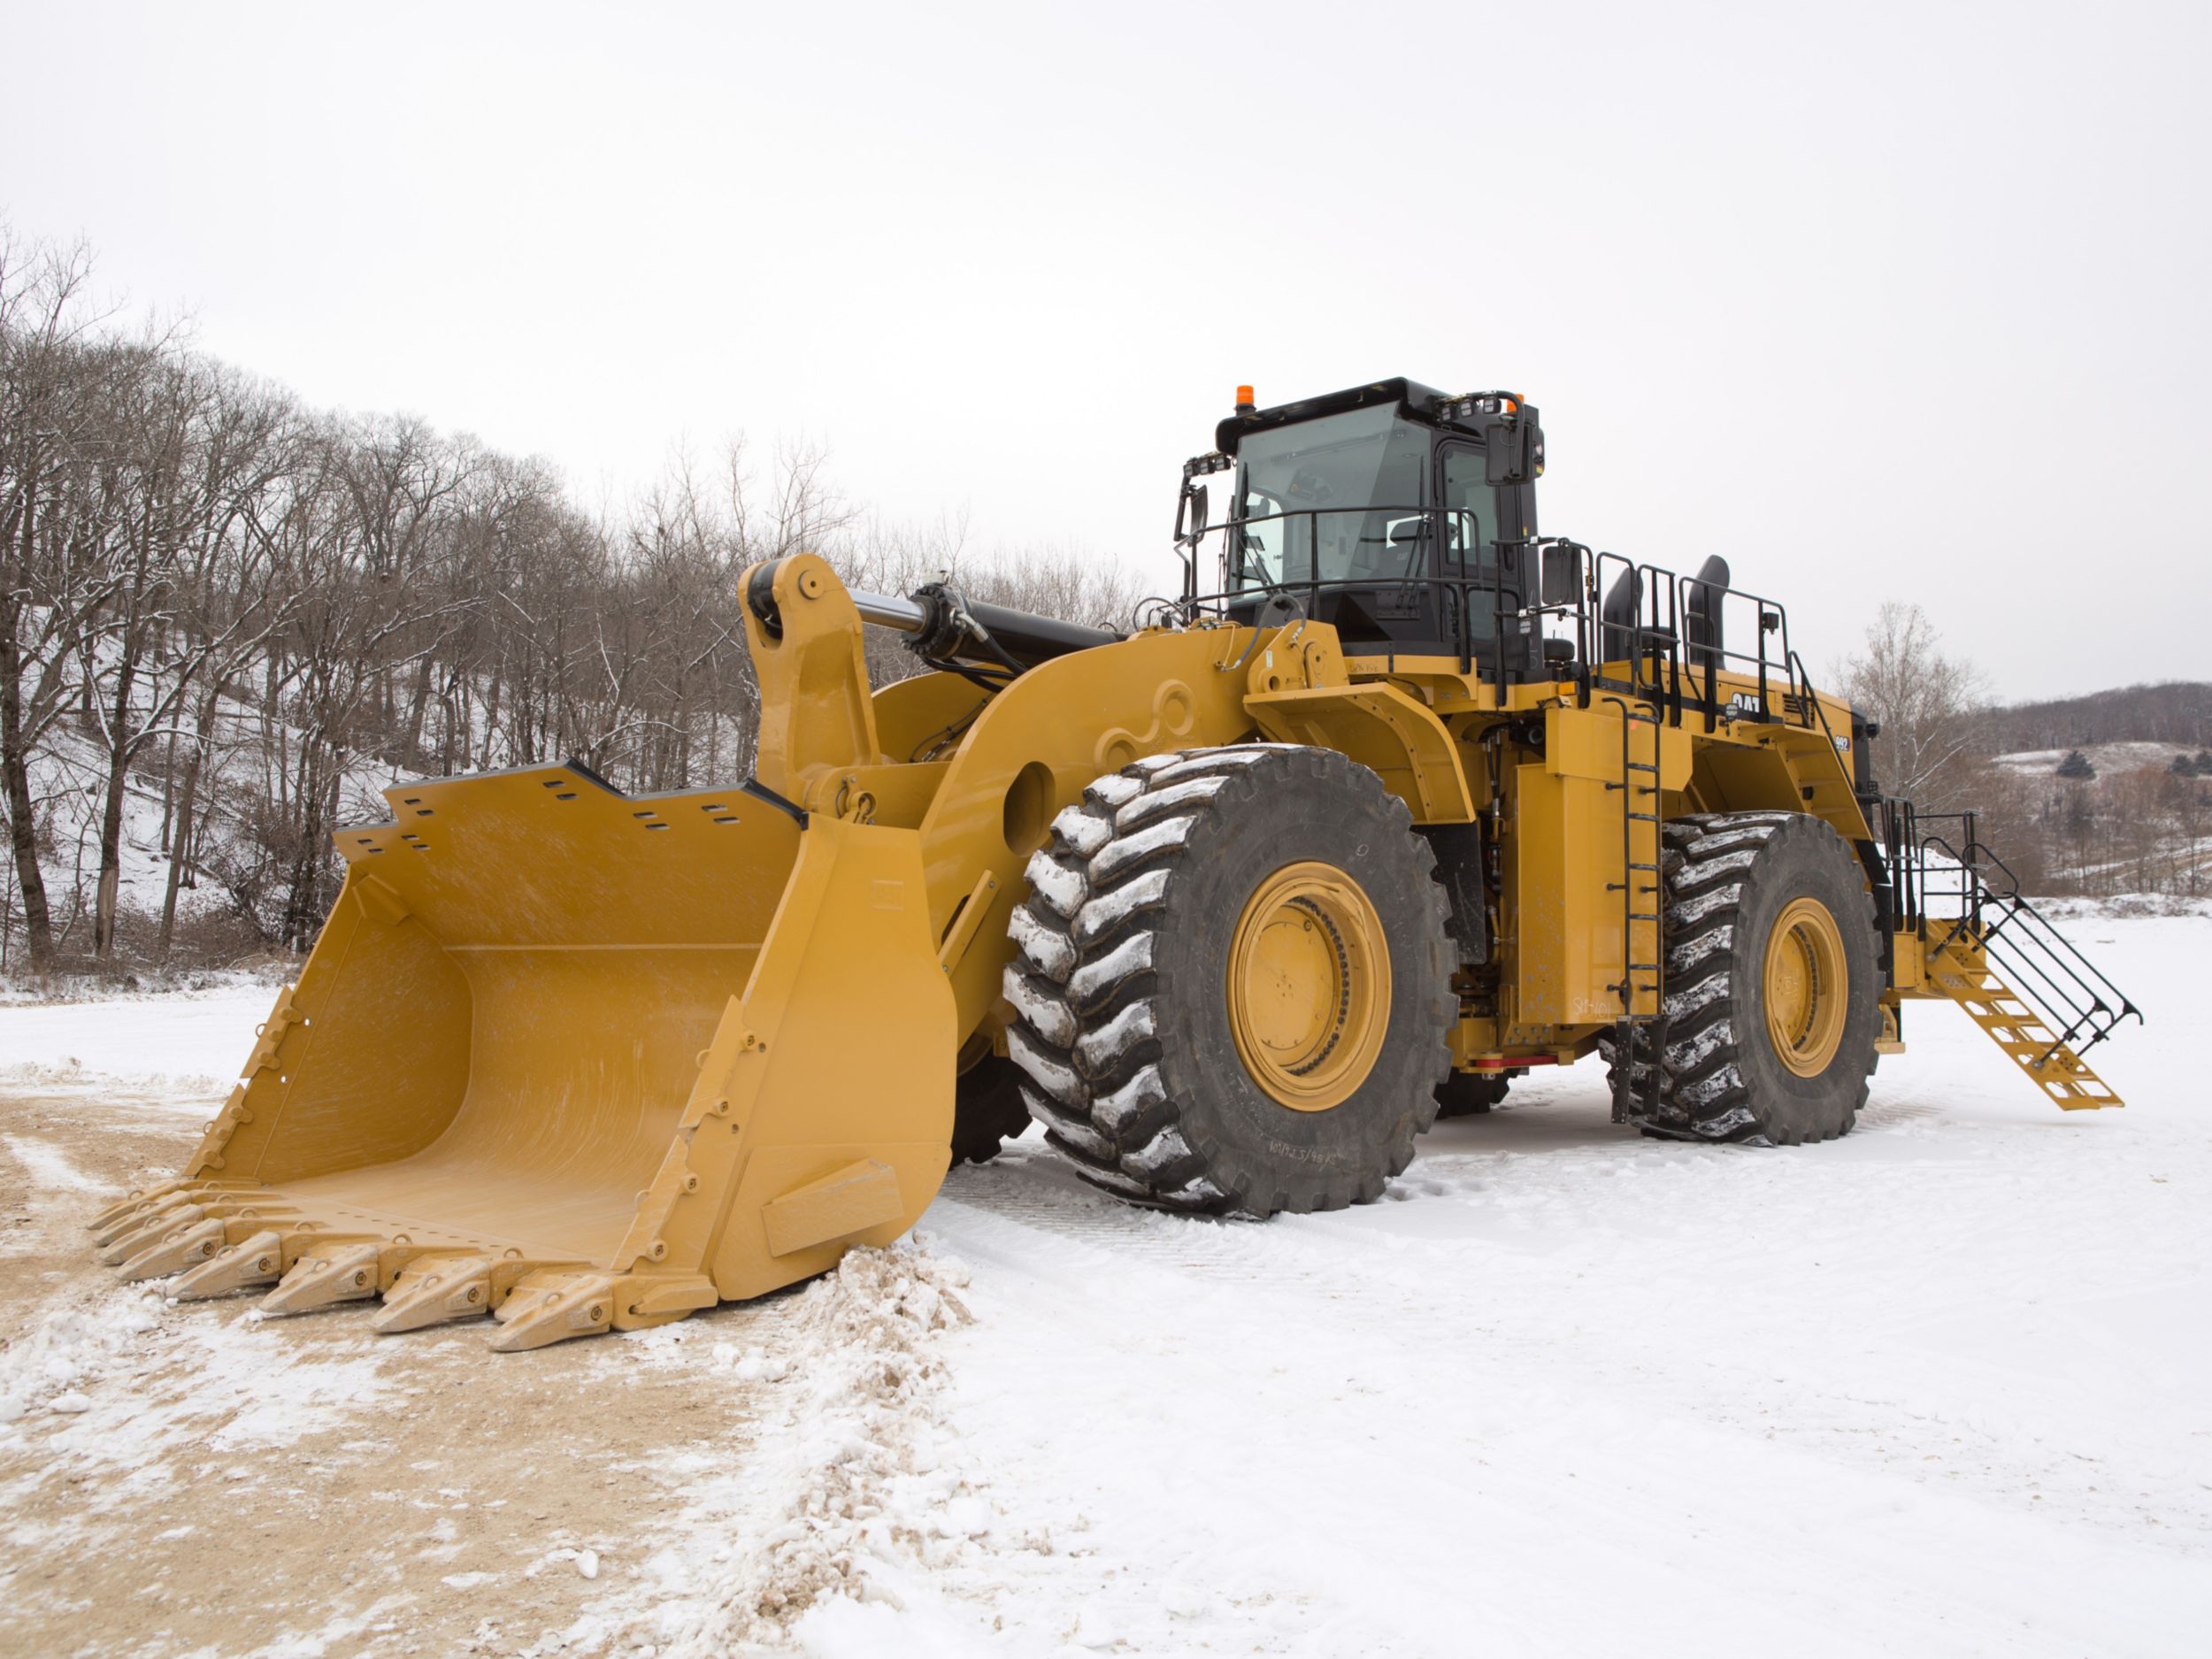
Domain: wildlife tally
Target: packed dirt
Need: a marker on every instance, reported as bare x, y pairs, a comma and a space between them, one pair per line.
190, 1480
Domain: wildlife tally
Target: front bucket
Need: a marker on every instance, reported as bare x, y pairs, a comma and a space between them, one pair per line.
580, 1060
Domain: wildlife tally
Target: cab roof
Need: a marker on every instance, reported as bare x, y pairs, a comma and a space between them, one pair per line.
1413, 401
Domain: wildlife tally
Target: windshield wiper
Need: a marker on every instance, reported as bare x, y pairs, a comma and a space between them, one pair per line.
1256, 559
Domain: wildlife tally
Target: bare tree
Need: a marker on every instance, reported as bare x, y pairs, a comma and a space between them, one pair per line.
1924, 701
52, 585
252, 618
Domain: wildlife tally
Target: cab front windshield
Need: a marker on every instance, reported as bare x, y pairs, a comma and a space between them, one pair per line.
1341, 498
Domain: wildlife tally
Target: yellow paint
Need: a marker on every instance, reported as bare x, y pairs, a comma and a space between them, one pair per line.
1384, 729
1807, 987
1952, 965
847, 1201
1308, 986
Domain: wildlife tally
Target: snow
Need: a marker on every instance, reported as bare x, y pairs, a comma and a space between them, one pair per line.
185, 1037
1098, 1048
137, 1402
1145, 808
1109, 910
1942, 1387
65, 1347
2106, 757
1082, 831
1050, 952
1132, 956
1058, 884
1136, 848
864, 1492
1046, 1015
48, 1166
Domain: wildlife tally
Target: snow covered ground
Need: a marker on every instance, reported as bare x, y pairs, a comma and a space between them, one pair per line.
2106, 757
1942, 1387
194, 1042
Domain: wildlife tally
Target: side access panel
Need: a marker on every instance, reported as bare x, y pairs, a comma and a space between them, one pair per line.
1583, 867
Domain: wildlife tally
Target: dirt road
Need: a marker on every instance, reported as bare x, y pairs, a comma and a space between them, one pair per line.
189, 1479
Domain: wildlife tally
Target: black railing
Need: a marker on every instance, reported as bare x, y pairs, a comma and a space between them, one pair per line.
1540, 609
1951, 889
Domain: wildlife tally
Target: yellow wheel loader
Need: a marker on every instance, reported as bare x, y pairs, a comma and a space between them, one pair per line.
1235, 903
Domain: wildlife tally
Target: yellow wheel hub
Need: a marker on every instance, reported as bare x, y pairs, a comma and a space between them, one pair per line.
1807, 987
1308, 987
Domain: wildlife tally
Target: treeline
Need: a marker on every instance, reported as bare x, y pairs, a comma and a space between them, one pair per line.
2178, 713
2062, 826
226, 619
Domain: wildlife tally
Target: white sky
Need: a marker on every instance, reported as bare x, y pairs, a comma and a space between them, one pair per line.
1880, 302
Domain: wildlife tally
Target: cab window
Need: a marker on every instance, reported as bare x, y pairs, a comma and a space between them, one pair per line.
1336, 499
1471, 515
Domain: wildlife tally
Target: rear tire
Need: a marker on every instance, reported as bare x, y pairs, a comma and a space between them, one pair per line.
1772, 987
1233, 982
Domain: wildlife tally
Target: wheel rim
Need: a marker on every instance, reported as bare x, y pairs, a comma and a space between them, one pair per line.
1308, 987
1807, 987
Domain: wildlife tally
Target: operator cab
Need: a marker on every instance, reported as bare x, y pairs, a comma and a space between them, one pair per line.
1395, 512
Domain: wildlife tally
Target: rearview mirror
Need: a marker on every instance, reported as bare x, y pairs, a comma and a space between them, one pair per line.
1560, 582
1190, 514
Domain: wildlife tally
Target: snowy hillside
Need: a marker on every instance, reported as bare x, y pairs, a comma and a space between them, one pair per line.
1943, 1387
2108, 758
68, 780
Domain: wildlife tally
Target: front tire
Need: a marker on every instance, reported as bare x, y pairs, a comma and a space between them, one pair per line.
1233, 982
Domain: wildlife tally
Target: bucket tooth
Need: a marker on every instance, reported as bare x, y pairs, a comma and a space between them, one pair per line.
129, 1212
148, 1197
258, 1260
121, 1243
176, 1249
548, 1308
160, 1227
339, 1269
440, 1287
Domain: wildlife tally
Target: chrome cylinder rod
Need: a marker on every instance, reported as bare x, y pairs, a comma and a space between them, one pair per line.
889, 611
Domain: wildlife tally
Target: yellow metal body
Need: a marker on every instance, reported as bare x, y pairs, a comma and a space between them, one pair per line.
1807, 987
586, 1061
1308, 986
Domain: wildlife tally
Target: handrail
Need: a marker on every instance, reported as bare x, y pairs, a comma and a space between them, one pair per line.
2072, 996
1485, 612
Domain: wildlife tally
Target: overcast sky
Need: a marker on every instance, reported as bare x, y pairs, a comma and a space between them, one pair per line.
1879, 301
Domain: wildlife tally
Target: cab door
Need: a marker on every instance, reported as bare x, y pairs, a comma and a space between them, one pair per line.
1469, 556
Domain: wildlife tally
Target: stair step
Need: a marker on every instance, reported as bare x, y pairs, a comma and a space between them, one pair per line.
2024, 1035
